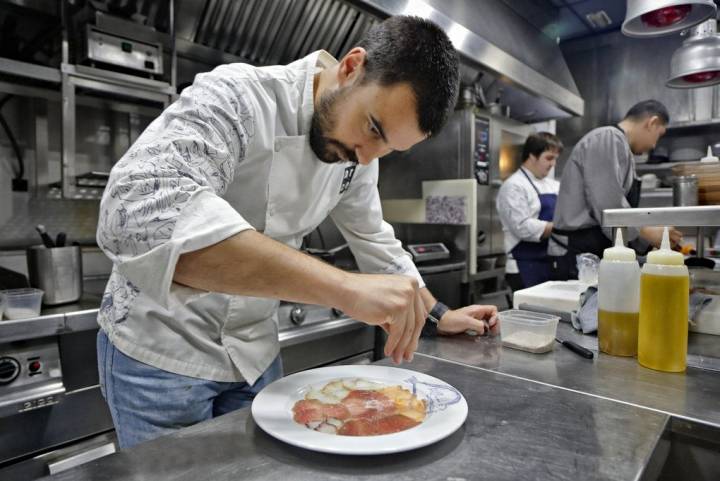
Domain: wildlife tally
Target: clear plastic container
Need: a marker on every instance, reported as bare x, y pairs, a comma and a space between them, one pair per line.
528, 331
22, 303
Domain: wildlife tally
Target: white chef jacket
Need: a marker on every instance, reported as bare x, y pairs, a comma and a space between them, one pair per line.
518, 205
230, 154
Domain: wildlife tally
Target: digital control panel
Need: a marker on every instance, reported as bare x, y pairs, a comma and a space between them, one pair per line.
428, 252
124, 52
481, 151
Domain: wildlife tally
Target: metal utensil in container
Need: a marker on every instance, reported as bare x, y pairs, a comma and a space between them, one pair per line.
56, 271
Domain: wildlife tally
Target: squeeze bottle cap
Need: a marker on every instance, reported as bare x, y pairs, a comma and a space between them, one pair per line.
619, 252
709, 157
665, 255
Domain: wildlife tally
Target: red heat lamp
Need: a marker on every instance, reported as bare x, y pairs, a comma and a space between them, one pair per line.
654, 18
702, 77
697, 62
665, 17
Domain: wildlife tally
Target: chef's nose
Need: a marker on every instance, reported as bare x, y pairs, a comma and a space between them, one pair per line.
364, 155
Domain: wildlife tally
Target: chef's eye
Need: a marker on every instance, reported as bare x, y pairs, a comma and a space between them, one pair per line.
374, 130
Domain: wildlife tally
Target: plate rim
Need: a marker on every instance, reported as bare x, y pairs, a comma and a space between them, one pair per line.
357, 371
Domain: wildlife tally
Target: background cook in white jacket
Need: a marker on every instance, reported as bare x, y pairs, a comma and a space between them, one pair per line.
525, 204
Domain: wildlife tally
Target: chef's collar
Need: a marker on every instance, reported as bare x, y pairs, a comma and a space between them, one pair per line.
527, 171
315, 62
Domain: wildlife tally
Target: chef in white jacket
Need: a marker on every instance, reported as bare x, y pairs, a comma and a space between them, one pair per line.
526, 203
203, 215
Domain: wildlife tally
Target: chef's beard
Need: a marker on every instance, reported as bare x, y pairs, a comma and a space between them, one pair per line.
326, 148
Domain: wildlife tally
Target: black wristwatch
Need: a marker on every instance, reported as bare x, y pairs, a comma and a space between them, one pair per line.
433, 318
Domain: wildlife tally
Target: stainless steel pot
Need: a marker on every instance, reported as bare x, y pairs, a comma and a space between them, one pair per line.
685, 190
57, 271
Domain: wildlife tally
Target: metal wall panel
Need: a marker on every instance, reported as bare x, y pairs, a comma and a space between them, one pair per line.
613, 72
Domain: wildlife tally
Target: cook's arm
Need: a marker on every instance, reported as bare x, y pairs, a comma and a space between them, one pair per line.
358, 217
163, 197
472, 317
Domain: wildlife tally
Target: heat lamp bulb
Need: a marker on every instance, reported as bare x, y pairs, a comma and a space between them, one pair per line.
664, 17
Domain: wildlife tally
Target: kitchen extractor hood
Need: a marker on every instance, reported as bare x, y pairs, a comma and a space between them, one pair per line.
500, 43
652, 18
697, 62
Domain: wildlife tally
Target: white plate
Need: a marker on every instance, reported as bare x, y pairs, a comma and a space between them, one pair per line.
446, 410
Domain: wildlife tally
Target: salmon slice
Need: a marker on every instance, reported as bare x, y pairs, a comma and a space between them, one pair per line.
373, 427
311, 410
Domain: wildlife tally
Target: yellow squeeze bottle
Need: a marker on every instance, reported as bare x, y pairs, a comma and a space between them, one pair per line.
664, 297
618, 300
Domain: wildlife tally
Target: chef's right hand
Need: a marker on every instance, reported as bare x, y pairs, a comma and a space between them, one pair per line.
654, 235
392, 302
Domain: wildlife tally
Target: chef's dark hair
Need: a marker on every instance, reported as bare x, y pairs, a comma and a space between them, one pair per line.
648, 108
541, 142
415, 50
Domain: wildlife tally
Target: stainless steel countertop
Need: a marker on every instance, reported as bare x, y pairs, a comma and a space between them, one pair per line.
515, 430
546, 416
693, 395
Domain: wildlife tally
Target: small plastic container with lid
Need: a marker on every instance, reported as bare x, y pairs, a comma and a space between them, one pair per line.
528, 331
22, 303
618, 300
664, 297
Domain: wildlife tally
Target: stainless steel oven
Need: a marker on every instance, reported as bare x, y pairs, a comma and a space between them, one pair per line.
52, 414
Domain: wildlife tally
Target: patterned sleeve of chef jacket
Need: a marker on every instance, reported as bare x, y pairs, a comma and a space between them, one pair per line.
163, 197
372, 241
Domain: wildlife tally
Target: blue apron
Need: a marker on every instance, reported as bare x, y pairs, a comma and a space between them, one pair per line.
533, 262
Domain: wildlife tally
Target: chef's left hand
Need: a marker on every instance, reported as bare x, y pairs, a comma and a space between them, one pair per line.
473, 318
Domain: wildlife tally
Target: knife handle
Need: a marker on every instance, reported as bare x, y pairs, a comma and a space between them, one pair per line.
586, 353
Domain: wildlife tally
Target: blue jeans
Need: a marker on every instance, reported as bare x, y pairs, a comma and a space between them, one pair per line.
146, 402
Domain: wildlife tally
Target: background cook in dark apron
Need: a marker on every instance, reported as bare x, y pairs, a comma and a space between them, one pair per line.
532, 259
589, 239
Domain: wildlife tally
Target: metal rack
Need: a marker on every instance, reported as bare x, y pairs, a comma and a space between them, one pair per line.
698, 216
118, 91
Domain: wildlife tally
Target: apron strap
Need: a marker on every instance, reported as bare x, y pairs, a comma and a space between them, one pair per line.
529, 180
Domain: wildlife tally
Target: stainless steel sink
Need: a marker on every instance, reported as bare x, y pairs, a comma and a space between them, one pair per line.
686, 450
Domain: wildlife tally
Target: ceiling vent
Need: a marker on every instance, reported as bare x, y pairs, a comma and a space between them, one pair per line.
599, 20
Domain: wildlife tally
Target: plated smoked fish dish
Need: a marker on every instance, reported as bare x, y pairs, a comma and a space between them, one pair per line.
358, 407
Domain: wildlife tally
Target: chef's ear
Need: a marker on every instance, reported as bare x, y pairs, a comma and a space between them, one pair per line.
351, 66
653, 121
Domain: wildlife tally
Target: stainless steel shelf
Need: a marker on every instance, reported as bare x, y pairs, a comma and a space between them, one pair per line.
661, 166
116, 79
693, 124
701, 216
29, 70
